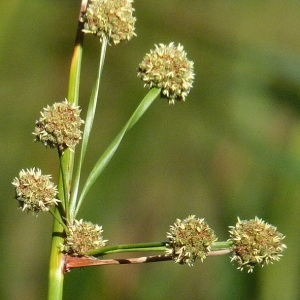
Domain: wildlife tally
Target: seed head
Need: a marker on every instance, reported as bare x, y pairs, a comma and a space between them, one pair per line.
59, 126
34, 191
189, 239
82, 238
255, 243
167, 67
110, 18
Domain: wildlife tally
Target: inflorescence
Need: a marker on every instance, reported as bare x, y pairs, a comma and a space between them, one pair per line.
167, 67
34, 191
189, 239
59, 126
255, 243
110, 18
82, 238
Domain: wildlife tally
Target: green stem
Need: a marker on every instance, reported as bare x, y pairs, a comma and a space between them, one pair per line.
57, 261
110, 151
216, 246
142, 247
63, 182
75, 69
56, 265
59, 219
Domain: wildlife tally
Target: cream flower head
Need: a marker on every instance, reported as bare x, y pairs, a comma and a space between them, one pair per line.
167, 67
255, 243
110, 18
189, 239
83, 237
34, 191
59, 126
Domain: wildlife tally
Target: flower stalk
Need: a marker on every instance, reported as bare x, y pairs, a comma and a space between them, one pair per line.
217, 248
143, 247
56, 263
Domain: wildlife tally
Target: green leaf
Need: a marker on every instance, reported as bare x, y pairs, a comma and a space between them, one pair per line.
87, 129
110, 151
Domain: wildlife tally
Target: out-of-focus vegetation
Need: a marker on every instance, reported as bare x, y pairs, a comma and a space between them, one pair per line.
233, 149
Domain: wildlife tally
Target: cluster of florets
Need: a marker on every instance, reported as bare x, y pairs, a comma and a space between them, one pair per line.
167, 67
189, 239
34, 191
82, 237
110, 18
255, 243
59, 126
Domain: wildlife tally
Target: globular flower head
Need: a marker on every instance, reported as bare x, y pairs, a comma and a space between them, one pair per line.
34, 191
255, 243
82, 238
189, 239
59, 126
110, 18
167, 67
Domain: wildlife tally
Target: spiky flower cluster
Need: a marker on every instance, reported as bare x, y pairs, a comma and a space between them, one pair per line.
110, 18
82, 238
189, 239
34, 191
59, 126
167, 67
255, 243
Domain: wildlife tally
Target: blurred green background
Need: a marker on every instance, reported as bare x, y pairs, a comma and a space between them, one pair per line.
233, 149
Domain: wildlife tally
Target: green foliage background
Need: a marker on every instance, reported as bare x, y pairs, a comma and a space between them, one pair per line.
233, 149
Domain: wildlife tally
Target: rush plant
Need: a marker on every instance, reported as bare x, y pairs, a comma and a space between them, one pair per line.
167, 73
